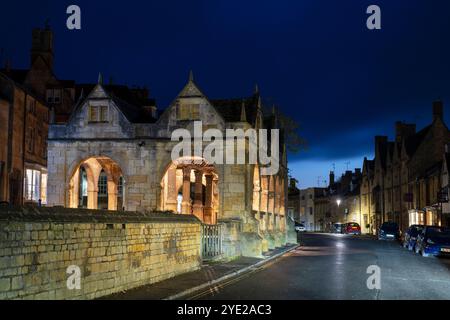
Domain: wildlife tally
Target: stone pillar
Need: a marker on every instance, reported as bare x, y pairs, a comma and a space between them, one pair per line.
208, 211
92, 199
112, 196
186, 204
198, 195
172, 192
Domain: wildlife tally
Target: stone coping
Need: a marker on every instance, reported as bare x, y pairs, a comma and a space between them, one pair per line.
66, 215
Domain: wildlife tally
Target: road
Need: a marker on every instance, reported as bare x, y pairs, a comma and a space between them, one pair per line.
334, 267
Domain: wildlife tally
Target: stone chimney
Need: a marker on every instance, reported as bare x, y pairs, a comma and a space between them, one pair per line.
42, 45
332, 178
438, 110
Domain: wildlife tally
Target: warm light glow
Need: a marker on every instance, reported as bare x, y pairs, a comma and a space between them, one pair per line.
338, 201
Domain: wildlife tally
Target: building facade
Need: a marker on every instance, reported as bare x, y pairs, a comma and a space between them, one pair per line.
113, 155
404, 181
24, 120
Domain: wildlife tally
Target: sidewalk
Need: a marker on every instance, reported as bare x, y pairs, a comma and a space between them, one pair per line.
209, 274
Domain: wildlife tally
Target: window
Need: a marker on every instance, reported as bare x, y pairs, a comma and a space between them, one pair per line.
102, 199
311, 211
57, 96
98, 113
188, 112
30, 142
32, 185
44, 188
54, 96
102, 184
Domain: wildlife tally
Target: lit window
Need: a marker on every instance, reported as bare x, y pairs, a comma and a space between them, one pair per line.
188, 112
44, 188
103, 113
32, 185
93, 113
98, 113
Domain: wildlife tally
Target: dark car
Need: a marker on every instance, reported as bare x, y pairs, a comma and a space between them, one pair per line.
410, 238
352, 228
338, 227
434, 241
389, 231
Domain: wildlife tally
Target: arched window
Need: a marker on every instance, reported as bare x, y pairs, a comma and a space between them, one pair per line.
83, 192
103, 191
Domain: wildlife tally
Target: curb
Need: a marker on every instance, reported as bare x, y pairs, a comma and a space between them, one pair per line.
228, 276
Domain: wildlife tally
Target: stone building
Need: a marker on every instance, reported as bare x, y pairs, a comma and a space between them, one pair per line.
24, 120
293, 203
114, 153
402, 183
308, 198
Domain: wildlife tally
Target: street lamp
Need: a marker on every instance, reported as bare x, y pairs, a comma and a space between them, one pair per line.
338, 202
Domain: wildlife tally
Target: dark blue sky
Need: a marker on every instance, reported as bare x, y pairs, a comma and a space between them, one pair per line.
315, 59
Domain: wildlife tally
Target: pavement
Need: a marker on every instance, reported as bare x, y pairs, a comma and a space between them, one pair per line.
209, 275
334, 267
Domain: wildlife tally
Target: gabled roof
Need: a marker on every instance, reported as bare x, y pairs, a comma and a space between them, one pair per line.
231, 109
413, 142
130, 104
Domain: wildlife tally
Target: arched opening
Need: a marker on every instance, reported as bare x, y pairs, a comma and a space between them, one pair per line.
190, 186
102, 195
97, 183
83, 189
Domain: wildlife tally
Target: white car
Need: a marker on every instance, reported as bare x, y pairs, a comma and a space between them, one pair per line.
300, 228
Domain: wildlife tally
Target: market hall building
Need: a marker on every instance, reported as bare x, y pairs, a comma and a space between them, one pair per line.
114, 153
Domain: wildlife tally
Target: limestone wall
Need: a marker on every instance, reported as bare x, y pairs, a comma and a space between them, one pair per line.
114, 252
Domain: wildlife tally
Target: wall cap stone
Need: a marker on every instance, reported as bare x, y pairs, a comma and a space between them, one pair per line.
66, 215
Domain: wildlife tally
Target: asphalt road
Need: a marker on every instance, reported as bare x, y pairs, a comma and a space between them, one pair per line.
334, 267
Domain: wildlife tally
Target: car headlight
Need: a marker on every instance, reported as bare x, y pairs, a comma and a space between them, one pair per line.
429, 241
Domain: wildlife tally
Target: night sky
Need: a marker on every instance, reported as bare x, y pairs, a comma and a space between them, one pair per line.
315, 59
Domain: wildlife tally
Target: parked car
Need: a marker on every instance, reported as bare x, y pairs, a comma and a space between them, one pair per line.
433, 241
352, 228
300, 227
338, 227
410, 238
389, 231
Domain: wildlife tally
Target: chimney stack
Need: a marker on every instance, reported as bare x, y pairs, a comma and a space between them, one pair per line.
42, 46
331, 178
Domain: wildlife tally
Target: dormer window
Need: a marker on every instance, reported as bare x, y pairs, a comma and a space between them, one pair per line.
53, 96
188, 112
98, 113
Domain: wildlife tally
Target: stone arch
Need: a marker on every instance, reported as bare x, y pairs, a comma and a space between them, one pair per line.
190, 186
93, 167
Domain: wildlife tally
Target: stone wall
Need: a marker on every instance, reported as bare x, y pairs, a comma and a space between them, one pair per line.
114, 251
